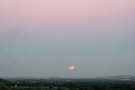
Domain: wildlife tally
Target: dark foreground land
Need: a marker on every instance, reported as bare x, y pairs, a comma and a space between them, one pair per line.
68, 84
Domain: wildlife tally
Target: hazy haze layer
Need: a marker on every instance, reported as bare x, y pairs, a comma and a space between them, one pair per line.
41, 38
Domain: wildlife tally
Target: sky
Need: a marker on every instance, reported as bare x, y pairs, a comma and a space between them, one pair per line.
41, 38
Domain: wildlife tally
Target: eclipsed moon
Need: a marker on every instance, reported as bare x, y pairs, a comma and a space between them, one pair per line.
71, 68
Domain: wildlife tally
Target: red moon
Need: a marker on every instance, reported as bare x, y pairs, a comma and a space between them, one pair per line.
71, 67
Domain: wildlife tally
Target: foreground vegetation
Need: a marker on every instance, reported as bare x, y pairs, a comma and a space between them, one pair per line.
4, 87
72, 84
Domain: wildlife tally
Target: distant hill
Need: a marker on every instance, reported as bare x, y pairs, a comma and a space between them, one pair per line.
120, 77
5, 81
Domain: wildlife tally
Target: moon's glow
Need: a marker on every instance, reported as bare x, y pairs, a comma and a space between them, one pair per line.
71, 67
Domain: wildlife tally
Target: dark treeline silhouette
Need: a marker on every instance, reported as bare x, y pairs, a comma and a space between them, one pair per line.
73, 84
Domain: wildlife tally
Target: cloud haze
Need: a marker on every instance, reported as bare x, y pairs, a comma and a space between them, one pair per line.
42, 38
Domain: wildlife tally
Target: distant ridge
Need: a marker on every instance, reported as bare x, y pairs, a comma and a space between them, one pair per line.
4, 81
120, 77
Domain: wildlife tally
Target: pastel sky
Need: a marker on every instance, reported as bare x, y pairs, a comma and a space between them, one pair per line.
41, 38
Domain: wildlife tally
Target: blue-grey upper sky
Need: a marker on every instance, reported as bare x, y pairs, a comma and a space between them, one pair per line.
42, 38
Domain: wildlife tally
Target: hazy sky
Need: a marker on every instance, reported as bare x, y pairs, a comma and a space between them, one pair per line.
41, 38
